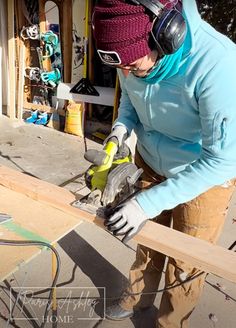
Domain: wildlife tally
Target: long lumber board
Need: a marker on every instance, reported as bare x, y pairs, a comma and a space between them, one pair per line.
199, 253
11, 107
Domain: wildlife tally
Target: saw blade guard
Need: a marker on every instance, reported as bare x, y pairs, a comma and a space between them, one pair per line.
121, 183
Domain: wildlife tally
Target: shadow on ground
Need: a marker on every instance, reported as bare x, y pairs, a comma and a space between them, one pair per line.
95, 266
103, 274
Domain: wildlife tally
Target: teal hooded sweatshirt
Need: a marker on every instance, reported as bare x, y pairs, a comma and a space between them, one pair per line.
185, 118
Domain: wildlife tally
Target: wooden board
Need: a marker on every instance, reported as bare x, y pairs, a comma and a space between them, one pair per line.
40, 219
199, 253
0, 81
43, 108
11, 108
116, 99
21, 80
65, 13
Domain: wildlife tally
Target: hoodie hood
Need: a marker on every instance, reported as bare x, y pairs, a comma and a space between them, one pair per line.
193, 21
169, 65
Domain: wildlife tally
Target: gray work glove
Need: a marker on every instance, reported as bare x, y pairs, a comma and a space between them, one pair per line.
120, 133
127, 220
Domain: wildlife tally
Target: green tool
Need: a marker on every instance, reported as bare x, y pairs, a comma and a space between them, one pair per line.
110, 179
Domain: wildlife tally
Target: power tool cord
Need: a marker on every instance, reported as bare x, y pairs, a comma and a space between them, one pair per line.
5, 242
31, 295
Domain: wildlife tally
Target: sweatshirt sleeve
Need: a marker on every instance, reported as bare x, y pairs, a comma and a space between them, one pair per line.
127, 115
216, 96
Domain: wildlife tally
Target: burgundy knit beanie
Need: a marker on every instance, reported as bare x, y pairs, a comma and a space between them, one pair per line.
121, 31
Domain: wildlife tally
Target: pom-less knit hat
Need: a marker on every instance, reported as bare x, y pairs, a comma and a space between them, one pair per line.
122, 29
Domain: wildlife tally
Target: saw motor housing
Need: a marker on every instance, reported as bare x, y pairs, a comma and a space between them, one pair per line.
112, 177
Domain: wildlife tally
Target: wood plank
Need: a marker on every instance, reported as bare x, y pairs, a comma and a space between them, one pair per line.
65, 14
20, 96
20, 22
0, 81
116, 99
11, 108
43, 108
199, 253
40, 219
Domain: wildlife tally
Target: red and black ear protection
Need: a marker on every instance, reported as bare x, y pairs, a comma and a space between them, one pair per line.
169, 26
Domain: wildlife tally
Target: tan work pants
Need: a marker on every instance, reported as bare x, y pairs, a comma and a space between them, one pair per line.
203, 217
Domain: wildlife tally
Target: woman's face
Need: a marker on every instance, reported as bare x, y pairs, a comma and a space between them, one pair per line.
142, 66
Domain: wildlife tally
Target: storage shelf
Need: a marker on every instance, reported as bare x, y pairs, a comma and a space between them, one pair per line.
106, 95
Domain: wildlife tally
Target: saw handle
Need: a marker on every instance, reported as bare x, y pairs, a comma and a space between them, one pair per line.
102, 157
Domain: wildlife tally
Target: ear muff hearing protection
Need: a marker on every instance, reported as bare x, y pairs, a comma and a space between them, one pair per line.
169, 26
